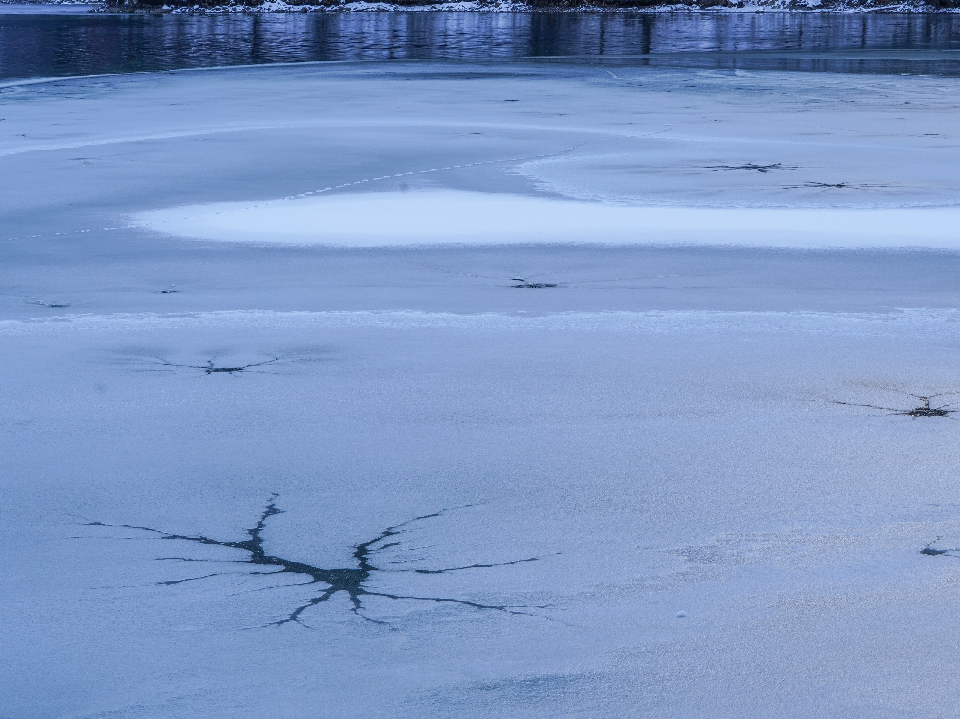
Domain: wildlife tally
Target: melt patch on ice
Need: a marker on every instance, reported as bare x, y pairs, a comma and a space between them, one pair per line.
458, 217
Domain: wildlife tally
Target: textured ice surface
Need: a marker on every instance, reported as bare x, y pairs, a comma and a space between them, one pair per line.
729, 433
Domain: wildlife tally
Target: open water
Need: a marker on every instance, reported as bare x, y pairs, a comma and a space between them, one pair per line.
44, 40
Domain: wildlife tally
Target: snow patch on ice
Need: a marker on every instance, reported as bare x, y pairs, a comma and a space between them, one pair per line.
450, 217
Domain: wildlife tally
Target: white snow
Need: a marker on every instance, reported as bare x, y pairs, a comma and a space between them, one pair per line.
695, 419
456, 217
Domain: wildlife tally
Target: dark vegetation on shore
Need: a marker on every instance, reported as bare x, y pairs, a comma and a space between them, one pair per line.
564, 5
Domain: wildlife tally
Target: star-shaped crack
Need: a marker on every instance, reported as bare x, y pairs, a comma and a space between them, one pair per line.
353, 580
922, 410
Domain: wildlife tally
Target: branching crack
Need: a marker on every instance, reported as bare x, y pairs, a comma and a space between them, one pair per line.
750, 166
922, 410
838, 186
353, 580
930, 550
209, 368
527, 284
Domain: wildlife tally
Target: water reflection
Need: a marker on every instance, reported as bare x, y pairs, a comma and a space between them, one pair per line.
45, 45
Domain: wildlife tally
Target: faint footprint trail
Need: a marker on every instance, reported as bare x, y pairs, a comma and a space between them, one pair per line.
922, 410
447, 168
352, 581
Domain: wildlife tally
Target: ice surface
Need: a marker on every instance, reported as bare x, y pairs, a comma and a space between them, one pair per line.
725, 432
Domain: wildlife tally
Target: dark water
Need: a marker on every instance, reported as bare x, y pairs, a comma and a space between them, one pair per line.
35, 45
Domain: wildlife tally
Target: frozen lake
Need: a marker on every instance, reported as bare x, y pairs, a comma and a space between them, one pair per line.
496, 387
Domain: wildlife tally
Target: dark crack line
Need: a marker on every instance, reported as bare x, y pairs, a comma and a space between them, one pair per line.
922, 410
209, 368
837, 186
218, 574
470, 567
750, 166
199, 560
533, 285
820, 186
352, 581
270, 587
186, 580
480, 606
